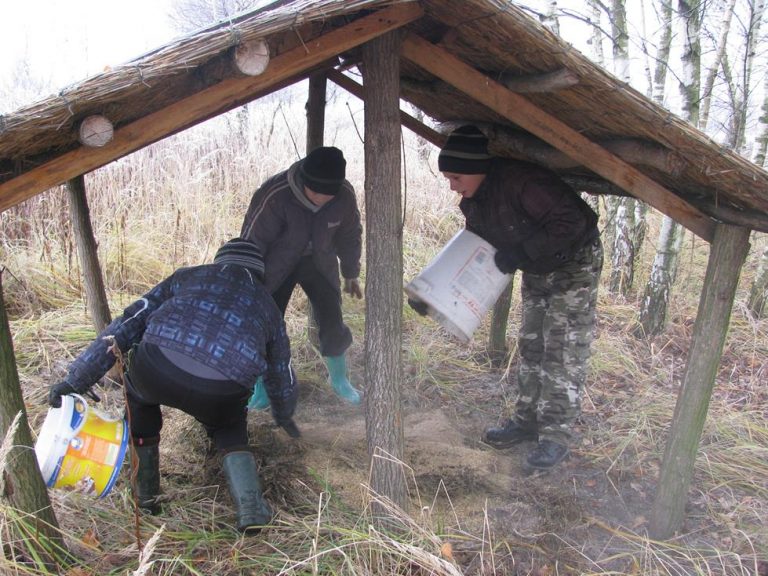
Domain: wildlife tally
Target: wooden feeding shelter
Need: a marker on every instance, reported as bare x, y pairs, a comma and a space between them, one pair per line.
482, 61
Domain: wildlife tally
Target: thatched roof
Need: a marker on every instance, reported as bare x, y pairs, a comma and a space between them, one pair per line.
483, 61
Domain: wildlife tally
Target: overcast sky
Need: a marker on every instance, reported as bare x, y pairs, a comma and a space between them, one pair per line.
63, 41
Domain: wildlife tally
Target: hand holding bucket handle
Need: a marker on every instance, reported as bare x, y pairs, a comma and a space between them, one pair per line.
63, 388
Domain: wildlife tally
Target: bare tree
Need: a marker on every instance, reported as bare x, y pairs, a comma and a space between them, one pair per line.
190, 15
758, 294
762, 139
653, 308
709, 83
740, 85
623, 253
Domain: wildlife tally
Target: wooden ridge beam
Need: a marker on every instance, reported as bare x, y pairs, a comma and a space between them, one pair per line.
207, 103
522, 112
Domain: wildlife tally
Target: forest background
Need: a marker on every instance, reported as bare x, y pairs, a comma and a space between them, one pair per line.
173, 204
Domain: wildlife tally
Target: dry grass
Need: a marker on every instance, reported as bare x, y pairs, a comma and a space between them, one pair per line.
174, 203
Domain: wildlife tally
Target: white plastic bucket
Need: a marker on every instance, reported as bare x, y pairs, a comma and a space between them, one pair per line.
460, 285
81, 448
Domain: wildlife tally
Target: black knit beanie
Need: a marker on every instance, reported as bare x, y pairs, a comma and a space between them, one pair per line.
242, 253
465, 152
323, 170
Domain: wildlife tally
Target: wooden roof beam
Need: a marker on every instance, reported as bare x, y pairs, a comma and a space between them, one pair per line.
522, 112
419, 128
214, 100
524, 145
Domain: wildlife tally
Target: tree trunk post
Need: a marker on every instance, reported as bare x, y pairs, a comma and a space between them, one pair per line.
384, 281
21, 484
727, 254
497, 339
315, 138
86, 247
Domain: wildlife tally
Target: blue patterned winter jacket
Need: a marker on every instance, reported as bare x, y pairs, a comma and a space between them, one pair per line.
219, 315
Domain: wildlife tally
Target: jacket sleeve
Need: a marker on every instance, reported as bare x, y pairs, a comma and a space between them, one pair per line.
280, 381
349, 239
557, 218
124, 331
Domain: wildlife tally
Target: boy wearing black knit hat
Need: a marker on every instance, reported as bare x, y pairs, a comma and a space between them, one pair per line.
538, 225
306, 222
199, 340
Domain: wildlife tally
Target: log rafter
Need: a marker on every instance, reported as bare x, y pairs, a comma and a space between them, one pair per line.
207, 103
522, 112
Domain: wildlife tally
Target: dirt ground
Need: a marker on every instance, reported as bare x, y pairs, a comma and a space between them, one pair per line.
588, 515
544, 523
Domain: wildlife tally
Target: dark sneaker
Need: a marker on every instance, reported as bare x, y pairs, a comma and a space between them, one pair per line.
547, 454
509, 434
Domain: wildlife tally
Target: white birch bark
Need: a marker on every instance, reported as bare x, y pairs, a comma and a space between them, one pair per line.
761, 142
623, 252
758, 294
653, 308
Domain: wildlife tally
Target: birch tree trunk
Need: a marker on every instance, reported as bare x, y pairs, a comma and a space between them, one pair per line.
762, 138
758, 294
623, 252
709, 82
653, 308
550, 18
662, 56
384, 281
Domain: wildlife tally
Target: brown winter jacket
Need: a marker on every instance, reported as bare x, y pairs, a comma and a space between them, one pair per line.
527, 210
286, 225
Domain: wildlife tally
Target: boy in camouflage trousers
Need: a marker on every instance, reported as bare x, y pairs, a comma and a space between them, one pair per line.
539, 225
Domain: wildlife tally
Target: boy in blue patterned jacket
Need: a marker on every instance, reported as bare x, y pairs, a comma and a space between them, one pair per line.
199, 340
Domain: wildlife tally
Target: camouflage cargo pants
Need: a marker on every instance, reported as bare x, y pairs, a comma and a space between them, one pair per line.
554, 343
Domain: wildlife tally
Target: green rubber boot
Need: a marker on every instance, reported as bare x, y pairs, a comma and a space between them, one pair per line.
337, 371
259, 399
147, 487
253, 512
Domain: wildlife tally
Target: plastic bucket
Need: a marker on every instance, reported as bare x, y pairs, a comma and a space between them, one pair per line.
81, 448
460, 285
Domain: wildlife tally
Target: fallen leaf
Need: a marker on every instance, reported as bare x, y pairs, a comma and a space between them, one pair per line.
90, 539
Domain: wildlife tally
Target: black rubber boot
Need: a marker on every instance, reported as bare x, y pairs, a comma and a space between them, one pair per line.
546, 455
509, 434
253, 512
147, 474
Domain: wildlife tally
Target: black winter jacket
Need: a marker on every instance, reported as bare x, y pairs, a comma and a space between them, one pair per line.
286, 225
527, 210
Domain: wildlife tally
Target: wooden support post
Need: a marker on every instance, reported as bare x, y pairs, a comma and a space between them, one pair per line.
315, 138
316, 111
21, 484
497, 338
727, 254
384, 282
95, 293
